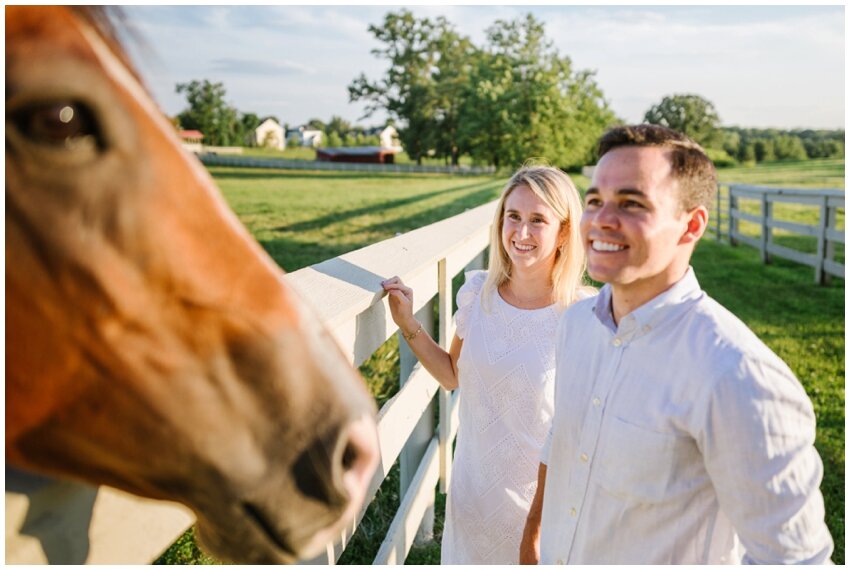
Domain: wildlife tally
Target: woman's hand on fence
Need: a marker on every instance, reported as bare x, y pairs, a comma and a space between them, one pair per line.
401, 304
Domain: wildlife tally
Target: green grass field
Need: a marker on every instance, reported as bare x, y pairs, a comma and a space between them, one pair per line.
302, 218
812, 174
826, 173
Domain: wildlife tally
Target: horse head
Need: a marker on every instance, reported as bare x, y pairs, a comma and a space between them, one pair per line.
151, 344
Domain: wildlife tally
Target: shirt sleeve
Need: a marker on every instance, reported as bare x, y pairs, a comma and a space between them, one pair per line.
547, 447
758, 447
466, 296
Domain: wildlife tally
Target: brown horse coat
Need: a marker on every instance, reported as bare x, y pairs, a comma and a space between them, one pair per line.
151, 344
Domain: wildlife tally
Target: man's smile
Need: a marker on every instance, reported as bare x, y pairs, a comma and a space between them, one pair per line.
606, 246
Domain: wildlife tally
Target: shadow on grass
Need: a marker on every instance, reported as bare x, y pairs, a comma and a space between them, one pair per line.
323, 221
441, 212
293, 253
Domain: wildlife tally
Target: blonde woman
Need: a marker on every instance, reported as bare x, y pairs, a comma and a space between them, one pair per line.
503, 360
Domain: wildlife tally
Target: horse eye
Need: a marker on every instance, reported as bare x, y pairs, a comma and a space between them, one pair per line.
68, 124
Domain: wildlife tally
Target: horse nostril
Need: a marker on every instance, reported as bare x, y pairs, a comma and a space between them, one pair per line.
349, 456
315, 475
360, 456
335, 471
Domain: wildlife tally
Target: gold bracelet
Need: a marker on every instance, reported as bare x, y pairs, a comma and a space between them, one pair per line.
411, 336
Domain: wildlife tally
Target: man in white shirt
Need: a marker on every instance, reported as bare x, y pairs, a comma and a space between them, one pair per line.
678, 436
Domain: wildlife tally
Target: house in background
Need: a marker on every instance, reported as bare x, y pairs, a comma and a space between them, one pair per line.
388, 136
361, 154
269, 135
191, 140
304, 136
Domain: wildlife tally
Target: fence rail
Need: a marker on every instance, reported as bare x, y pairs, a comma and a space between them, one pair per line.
49, 521
355, 310
756, 206
289, 164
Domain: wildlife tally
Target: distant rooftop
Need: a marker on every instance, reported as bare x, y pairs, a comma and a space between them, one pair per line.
191, 134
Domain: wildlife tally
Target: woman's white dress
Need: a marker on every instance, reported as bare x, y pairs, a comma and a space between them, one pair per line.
506, 376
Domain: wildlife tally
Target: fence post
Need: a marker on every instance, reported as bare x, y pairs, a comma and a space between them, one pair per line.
717, 231
823, 223
829, 254
733, 221
445, 316
417, 444
766, 230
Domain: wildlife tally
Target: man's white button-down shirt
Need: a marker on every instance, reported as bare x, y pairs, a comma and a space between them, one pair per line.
678, 438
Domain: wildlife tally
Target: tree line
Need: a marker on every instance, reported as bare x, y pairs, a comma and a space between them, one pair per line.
501, 103
727, 146
223, 125
513, 98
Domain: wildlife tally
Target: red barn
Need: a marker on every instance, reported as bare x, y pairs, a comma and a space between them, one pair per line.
367, 154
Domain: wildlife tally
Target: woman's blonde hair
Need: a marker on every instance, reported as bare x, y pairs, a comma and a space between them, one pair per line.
557, 190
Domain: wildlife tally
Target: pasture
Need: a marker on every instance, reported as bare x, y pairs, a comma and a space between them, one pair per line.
811, 174
303, 218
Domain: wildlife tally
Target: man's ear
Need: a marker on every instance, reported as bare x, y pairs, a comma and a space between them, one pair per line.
697, 222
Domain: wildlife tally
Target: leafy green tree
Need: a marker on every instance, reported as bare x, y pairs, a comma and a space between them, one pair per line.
822, 143
333, 140
209, 113
731, 142
339, 126
824, 148
516, 99
406, 91
451, 75
526, 101
688, 114
248, 123
317, 124
788, 147
747, 152
763, 149
778, 144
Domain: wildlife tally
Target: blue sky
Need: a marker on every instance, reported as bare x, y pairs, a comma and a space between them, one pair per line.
761, 66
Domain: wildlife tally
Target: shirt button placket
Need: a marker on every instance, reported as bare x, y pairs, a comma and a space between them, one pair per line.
575, 495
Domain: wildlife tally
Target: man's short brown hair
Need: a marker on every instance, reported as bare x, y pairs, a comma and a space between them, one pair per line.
691, 166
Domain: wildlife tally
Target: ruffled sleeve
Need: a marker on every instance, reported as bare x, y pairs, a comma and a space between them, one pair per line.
467, 295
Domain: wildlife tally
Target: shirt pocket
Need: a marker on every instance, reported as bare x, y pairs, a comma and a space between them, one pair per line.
640, 465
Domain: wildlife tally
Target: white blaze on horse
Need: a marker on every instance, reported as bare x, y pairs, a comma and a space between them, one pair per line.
151, 344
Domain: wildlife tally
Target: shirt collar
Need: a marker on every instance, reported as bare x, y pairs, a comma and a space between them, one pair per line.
654, 312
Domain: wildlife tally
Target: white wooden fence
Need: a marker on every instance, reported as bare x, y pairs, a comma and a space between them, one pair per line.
215, 159
50, 521
826, 232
